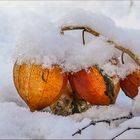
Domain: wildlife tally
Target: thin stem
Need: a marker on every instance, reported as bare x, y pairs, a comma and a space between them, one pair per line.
83, 36
127, 129
97, 34
122, 57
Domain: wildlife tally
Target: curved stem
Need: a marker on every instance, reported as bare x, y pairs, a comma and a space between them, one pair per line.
122, 57
83, 36
97, 34
127, 51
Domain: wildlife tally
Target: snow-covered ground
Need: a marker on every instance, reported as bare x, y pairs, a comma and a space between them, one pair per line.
16, 121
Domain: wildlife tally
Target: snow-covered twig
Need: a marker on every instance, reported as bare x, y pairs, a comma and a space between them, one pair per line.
95, 33
130, 116
85, 28
127, 129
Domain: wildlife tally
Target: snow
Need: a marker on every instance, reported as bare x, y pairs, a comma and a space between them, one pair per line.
35, 43
122, 71
19, 122
30, 28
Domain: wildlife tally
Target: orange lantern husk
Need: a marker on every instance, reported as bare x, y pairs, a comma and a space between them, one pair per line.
94, 86
39, 87
130, 84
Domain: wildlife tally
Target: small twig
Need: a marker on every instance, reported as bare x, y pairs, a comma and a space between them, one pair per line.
127, 129
130, 116
122, 57
97, 34
91, 123
80, 130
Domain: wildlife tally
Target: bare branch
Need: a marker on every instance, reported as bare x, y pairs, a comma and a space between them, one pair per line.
108, 121
91, 123
127, 129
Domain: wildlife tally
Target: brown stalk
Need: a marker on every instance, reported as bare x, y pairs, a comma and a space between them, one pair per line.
97, 34
85, 28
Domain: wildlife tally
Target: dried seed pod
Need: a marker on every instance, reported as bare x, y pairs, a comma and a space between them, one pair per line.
69, 103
